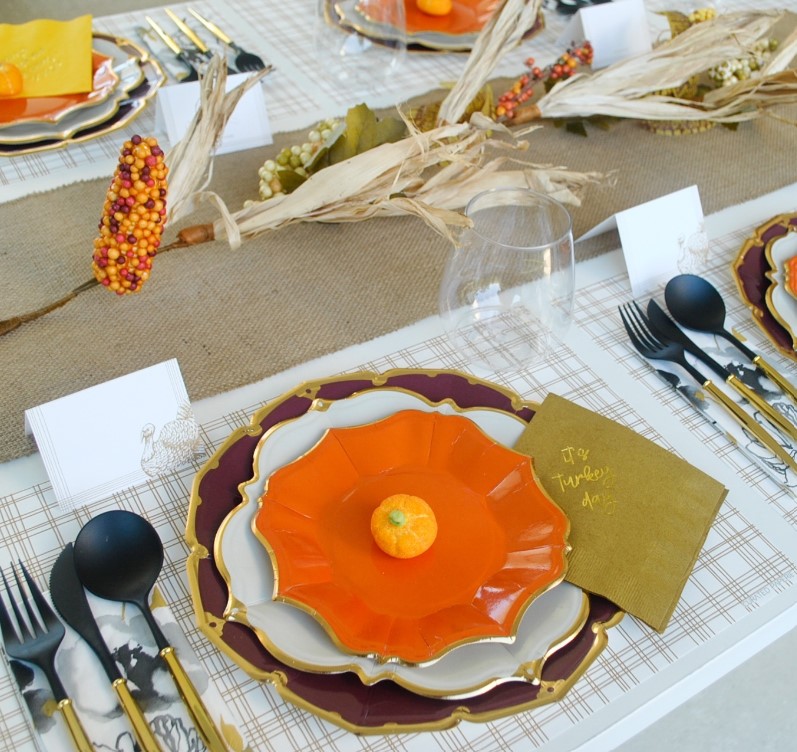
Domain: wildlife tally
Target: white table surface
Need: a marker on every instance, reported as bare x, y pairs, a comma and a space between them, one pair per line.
736, 691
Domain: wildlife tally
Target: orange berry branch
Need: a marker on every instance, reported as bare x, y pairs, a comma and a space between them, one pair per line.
523, 89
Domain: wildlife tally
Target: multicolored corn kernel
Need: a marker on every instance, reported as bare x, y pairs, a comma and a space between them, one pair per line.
133, 217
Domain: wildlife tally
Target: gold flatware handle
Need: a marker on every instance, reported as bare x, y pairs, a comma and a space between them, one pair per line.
211, 27
772, 415
76, 731
204, 723
750, 423
167, 40
144, 735
770, 371
187, 30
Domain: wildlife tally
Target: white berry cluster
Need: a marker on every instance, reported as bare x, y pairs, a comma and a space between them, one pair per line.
294, 159
742, 68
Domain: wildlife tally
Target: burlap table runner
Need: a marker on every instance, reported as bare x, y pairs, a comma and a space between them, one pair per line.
234, 317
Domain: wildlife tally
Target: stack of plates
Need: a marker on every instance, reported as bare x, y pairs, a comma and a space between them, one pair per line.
454, 32
125, 79
759, 271
554, 633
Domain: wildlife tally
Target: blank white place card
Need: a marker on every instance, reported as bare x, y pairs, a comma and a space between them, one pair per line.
91, 448
247, 128
616, 31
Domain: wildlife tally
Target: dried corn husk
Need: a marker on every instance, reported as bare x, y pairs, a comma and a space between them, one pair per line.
501, 33
627, 88
190, 163
430, 174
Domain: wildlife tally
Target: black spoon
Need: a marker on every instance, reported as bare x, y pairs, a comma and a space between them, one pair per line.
696, 304
118, 556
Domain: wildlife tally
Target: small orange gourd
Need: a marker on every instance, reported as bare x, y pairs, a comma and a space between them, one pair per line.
10, 80
404, 526
435, 7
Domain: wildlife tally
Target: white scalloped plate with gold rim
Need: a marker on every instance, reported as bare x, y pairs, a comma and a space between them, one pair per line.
781, 303
299, 640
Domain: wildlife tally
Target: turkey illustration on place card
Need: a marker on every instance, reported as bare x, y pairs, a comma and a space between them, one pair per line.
91, 451
660, 239
639, 515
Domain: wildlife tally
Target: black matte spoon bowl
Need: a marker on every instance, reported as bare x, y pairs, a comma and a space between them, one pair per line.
118, 556
696, 304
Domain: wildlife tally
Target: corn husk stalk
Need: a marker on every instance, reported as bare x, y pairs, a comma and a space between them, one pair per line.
627, 88
190, 163
429, 174
503, 32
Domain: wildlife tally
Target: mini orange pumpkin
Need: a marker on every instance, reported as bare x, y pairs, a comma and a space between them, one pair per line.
435, 7
404, 526
10, 80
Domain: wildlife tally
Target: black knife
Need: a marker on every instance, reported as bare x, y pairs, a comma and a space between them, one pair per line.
663, 324
69, 599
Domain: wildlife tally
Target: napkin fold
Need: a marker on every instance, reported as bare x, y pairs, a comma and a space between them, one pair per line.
639, 515
54, 57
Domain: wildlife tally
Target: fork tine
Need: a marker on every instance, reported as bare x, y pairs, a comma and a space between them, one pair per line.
46, 613
631, 329
6, 626
642, 327
32, 624
21, 624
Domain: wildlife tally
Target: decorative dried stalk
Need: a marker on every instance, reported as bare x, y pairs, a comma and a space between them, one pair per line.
429, 174
501, 33
190, 162
626, 89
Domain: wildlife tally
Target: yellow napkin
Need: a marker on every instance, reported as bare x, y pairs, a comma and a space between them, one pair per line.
639, 515
54, 57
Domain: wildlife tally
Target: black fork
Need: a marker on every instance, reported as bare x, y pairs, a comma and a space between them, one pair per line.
654, 347
36, 640
648, 344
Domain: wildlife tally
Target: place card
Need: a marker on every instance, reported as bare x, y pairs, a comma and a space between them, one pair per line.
639, 515
247, 128
616, 31
115, 435
660, 239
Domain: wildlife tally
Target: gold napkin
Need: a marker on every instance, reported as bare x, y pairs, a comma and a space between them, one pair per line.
54, 57
639, 515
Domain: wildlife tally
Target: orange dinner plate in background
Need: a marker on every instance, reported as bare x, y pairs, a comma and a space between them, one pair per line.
466, 16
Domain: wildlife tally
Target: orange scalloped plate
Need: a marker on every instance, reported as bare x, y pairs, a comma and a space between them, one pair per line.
501, 540
51, 109
466, 16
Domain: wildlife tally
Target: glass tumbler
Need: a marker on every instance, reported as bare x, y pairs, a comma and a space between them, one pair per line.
360, 44
508, 287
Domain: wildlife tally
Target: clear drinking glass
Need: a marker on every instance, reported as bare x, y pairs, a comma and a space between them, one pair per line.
508, 287
360, 43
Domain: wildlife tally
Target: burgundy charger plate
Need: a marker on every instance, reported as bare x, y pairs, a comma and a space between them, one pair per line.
750, 272
342, 698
